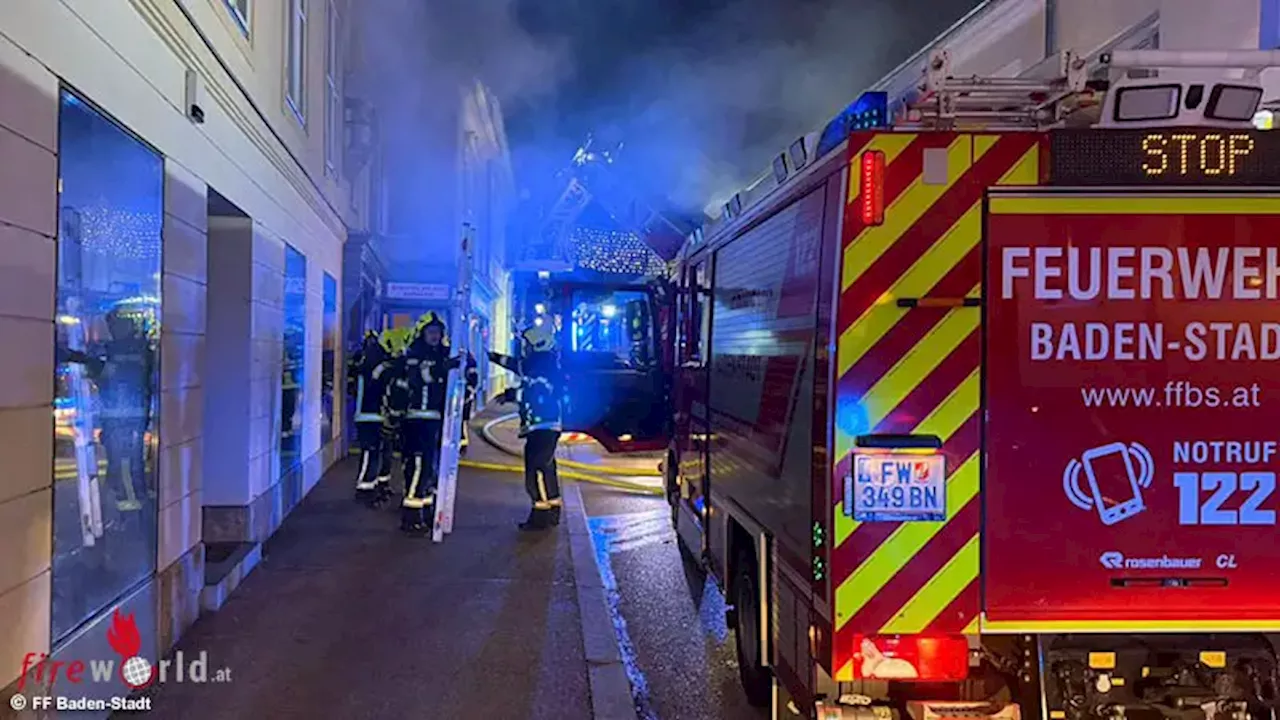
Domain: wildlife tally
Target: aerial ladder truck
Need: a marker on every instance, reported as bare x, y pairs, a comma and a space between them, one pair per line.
968, 406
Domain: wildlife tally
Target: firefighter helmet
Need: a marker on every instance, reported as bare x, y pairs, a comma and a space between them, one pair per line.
540, 337
432, 318
426, 322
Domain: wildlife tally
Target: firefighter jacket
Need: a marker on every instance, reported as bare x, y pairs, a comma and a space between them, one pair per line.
425, 372
372, 379
124, 386
543, 392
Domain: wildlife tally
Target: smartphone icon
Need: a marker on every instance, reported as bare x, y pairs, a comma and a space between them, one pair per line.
1113, 482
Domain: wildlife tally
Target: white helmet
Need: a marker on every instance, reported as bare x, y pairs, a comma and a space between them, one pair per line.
540, 336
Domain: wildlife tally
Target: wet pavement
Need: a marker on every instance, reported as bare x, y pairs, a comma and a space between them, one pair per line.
682, 660
668, 615
347, 618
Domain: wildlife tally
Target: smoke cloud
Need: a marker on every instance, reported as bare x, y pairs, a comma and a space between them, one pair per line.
420, 47
413, 59
713, 109
702, 95
704, 113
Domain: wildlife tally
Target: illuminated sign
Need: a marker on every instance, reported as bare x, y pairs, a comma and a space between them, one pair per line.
1165, 156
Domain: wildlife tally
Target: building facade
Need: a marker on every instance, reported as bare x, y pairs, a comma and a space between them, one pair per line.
448, 173
174, 199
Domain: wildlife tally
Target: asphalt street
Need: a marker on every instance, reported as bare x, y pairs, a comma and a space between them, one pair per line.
668, 615
672, 633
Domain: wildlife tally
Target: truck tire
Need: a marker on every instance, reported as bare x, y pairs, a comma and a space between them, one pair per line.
757, 681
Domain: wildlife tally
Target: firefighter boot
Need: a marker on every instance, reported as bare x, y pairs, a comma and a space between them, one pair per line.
418, 521
382, 493
538, 520
411, 520
553, 516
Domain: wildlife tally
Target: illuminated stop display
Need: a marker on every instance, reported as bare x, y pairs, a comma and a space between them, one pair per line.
1165, 156
1188, 154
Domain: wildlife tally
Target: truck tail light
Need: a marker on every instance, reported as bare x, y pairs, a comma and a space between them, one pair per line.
919, 658
872, 185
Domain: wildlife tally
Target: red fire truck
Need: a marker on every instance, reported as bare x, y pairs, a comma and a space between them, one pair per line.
971, 406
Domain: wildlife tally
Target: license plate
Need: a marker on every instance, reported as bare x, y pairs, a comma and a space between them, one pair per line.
897, 487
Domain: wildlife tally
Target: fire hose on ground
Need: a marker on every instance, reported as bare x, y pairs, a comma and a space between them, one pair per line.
486, 433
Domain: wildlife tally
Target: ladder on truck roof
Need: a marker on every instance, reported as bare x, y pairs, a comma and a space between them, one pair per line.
947, 102
995, 103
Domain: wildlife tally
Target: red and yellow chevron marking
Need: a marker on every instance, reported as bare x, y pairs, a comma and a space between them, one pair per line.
915, 371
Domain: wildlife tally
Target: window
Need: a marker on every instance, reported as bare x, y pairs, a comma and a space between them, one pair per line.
1148, 102
614, 327
106, 377
329, 359
1269, 25
333, 99
294, 361
240, 13
1233, 102
296, 61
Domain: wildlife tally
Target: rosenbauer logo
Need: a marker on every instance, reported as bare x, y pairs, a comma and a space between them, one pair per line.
1113, 560
131, 668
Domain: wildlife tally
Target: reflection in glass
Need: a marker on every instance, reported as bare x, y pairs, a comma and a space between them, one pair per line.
294, 362
107, 371
328, 359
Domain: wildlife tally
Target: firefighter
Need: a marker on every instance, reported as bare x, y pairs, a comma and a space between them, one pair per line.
393, 405
541, 396
468, 403
426, 366
372, 379
124, 389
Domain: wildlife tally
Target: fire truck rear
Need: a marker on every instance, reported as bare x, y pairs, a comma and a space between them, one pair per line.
971, 407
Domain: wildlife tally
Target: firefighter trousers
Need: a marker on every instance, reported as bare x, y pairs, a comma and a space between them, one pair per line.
421, 450
390, 429
540, 479
465, 440
124, 439
374, 454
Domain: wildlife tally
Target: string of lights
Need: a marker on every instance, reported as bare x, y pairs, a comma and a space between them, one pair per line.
612, 251
122, 234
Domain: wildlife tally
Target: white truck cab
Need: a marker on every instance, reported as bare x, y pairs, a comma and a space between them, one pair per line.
1179, 88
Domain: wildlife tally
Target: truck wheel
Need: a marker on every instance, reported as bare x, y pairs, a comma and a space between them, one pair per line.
756, 679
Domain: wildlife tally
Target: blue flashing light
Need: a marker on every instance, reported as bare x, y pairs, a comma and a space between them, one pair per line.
869, 112
851, 417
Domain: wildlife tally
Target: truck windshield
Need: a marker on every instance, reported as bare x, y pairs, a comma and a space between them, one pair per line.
614, 326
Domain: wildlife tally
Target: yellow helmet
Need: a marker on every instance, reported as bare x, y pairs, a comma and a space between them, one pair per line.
540, 336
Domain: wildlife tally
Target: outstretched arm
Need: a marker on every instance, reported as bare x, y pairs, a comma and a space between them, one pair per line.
505, 361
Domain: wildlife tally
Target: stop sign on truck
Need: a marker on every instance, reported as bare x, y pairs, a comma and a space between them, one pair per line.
1131, 348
